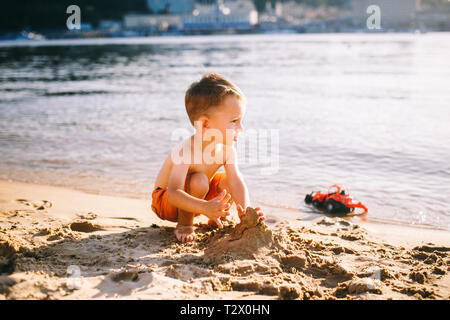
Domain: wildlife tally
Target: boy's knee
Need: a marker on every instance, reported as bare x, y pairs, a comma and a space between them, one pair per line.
223, 183
198, 185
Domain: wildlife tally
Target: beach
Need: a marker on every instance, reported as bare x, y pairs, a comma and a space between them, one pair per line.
60, 243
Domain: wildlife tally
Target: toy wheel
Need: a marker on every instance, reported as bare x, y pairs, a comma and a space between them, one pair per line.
308, 199
330, 206
334, 207
316, 203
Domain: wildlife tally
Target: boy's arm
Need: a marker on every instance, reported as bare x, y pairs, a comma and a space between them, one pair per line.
238, 189
176, 194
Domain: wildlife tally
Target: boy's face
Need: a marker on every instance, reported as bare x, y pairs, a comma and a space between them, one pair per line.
227, 118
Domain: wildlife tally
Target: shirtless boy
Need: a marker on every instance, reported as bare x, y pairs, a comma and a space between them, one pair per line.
189, 183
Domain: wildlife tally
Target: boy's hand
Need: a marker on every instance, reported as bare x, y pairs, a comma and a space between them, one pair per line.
218, 207
241, 212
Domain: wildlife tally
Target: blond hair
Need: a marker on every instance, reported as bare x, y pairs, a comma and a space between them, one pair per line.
208, 93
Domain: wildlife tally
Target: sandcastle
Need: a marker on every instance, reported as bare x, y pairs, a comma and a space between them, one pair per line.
244, 241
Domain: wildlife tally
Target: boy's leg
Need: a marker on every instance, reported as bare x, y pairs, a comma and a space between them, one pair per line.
223, 184
197, 185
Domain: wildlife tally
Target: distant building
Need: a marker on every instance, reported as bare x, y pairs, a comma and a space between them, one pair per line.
152, 22
393, 12
86, 26
291, 13
170, 6
110, 25
231, 14
437, 19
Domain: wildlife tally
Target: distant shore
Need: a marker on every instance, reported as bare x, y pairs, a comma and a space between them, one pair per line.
37, 37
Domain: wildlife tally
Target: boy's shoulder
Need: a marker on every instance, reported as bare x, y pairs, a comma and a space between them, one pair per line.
186, 152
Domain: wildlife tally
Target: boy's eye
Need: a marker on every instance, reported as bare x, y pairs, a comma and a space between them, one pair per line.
234, 121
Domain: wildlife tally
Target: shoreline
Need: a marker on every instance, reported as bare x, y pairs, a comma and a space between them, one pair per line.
203, 38
124, 251
281, 211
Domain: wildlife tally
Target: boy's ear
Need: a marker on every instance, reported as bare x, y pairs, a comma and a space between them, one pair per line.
204, 121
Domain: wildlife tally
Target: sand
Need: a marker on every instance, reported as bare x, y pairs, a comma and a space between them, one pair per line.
57, 243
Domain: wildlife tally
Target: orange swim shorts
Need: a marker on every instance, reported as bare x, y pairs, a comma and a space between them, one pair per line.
162, 207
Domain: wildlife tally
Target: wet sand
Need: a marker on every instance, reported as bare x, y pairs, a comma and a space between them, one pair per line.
57, 243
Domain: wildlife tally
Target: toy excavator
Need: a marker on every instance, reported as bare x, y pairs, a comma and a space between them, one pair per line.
336, 201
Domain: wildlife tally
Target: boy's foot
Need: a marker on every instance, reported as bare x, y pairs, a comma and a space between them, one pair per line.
185, 233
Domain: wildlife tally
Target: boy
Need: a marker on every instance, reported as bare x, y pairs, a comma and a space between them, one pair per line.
188, 183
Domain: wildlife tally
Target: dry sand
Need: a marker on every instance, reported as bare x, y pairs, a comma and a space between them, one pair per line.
58, 243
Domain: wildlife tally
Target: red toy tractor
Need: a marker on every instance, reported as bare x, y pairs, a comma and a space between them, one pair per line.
336, 201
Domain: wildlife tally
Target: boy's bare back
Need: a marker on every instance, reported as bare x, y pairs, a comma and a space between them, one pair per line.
162, 180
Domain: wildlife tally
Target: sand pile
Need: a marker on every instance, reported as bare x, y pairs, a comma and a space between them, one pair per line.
246, 240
